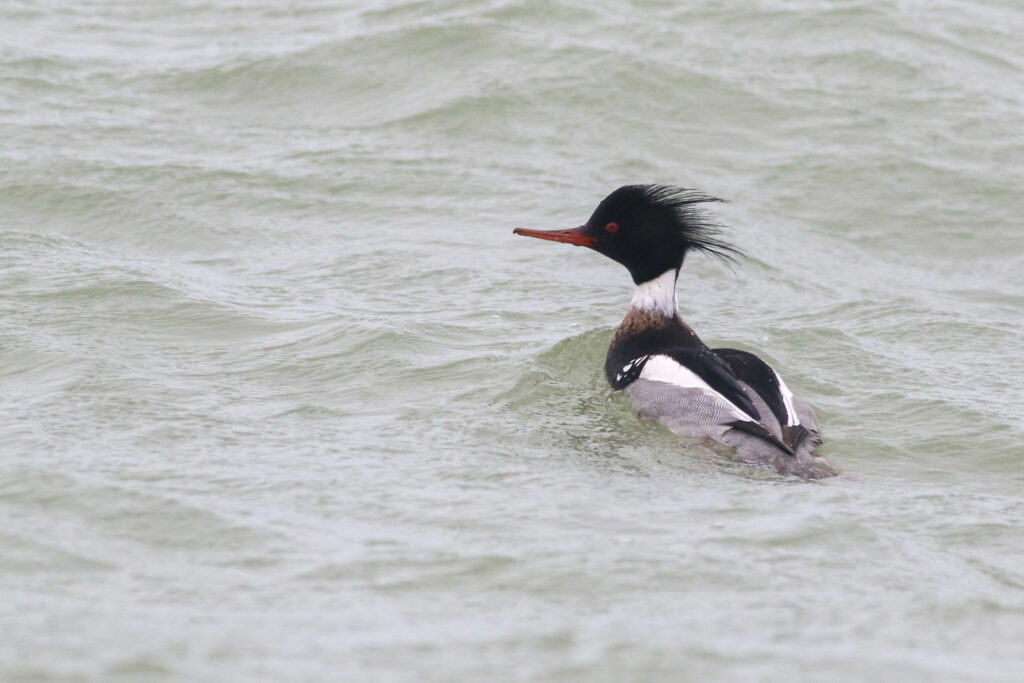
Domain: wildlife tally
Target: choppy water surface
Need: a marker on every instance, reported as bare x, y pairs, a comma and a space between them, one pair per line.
283, 398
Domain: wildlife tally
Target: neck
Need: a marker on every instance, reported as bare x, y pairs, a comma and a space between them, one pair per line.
653, 319
657, 296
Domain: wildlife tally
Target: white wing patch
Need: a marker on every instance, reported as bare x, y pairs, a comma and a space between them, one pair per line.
666, 369
787, 400
629, 366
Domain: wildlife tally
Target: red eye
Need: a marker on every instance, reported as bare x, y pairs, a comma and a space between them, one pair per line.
612, 227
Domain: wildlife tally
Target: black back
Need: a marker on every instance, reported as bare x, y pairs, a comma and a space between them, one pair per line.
626, 359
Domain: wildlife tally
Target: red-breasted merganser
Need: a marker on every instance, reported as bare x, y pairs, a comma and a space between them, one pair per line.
667, 372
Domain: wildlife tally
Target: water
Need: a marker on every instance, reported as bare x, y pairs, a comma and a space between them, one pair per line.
284, 399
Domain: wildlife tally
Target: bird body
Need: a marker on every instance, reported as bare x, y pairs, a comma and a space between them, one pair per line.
666, 371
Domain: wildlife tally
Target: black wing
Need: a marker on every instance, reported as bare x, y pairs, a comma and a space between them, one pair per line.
718, 373
760, 377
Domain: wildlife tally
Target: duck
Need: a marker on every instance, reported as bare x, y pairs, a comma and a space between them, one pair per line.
727, 395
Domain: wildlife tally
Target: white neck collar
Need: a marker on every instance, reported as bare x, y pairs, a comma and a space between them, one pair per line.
657, 295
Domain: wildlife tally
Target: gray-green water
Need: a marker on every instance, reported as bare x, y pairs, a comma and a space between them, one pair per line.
283, 398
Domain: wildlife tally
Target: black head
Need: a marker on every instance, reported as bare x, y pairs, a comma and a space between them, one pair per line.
647, 228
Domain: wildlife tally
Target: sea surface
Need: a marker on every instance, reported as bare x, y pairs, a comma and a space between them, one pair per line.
283, 399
